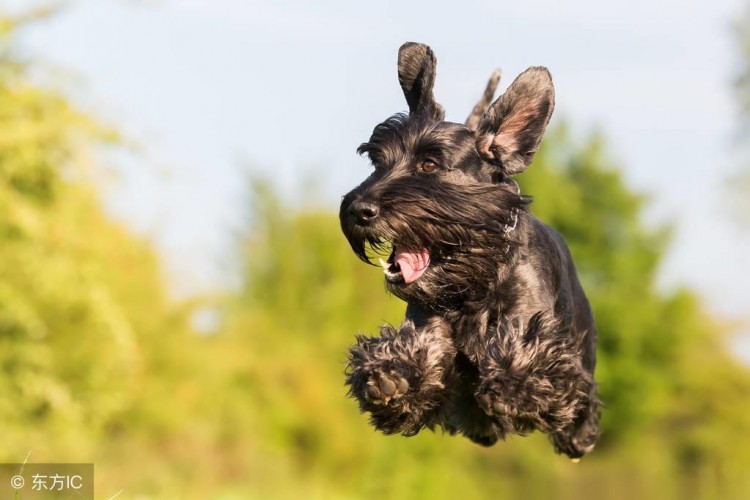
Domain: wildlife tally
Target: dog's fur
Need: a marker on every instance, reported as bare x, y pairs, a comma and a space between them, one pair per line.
499, 337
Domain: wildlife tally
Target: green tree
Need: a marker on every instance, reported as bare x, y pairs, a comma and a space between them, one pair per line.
81, 300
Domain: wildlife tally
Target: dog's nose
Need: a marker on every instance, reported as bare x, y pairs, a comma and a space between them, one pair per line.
364, 211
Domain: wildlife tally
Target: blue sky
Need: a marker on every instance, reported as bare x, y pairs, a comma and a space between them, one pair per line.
210, 88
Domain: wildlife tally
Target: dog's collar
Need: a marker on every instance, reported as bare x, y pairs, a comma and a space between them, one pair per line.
513, 223
511, 226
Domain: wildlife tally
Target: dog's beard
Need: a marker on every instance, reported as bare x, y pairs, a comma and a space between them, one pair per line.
439, 244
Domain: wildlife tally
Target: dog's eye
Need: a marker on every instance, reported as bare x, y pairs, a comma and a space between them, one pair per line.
427, 166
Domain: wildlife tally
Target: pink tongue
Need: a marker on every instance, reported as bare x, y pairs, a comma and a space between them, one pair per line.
412, 264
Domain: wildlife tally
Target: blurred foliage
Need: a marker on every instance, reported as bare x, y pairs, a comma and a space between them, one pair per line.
97, 365
66, 272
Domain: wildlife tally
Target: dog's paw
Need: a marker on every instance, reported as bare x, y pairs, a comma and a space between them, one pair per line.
579, 438
532, 378
399, 377
383, 387
514, 405
395, 397
571, 446
495, 406
503, 394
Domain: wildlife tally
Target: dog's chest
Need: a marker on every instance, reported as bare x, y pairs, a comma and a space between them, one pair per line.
471, 332
472, 328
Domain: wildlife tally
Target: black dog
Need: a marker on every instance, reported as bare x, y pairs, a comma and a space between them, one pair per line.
498, 337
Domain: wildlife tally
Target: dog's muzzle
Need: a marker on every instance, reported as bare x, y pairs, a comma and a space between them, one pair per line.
403, 265
363, 212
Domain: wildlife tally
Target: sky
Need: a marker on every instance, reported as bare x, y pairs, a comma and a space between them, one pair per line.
213, 89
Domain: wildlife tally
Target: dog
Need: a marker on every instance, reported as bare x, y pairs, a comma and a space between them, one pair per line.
499, 337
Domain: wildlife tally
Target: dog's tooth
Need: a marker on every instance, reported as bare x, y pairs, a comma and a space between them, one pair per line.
386, 268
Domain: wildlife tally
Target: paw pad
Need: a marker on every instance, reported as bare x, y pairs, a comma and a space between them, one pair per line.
382, 387
493, 406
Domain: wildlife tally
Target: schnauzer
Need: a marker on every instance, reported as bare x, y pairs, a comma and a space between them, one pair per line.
499, 337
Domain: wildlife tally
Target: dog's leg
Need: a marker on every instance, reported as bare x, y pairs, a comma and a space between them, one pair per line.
399, 377
579, 438
531, 378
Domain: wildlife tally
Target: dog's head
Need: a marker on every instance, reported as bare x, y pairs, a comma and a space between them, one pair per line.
440, 196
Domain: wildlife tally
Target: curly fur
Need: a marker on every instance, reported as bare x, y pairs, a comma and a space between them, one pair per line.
419, 357
533, 379
499, 337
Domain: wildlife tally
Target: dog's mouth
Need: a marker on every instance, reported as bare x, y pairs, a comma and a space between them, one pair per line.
405, 265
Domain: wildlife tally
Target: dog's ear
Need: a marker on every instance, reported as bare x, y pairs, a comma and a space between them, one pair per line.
509, 132
416, 74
